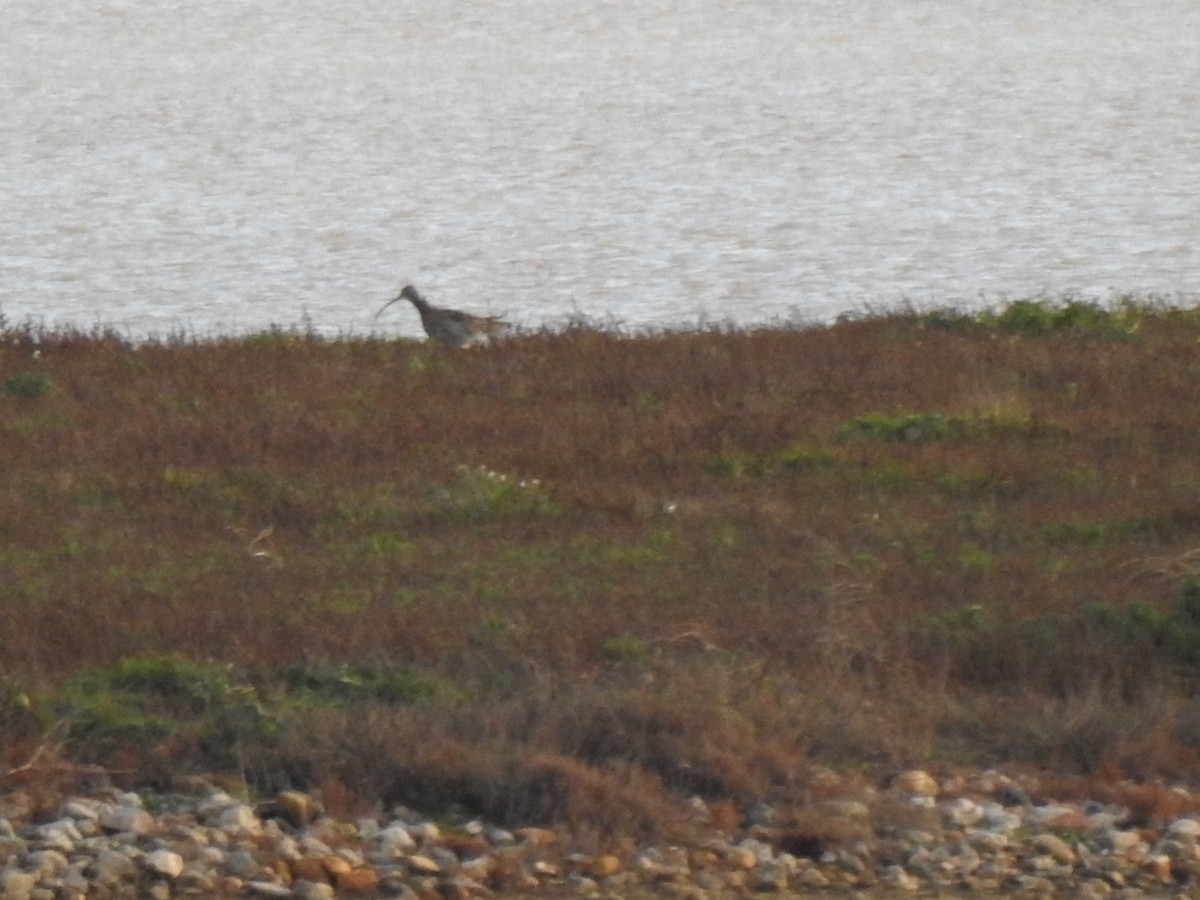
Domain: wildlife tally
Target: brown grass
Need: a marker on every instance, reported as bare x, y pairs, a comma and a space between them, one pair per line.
726, 571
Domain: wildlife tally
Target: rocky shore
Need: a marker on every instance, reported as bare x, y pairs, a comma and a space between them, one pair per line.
984, 834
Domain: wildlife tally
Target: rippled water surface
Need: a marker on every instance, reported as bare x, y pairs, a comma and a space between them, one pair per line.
222, 166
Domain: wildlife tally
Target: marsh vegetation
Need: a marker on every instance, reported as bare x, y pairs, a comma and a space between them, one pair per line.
581, 576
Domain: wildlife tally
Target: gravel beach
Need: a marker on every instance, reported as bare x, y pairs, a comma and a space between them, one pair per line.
981, 834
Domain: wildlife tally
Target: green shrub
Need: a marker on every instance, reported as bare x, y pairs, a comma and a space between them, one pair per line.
27, 385
478, 492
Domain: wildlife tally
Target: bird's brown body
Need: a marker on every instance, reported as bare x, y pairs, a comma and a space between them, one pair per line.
449, 326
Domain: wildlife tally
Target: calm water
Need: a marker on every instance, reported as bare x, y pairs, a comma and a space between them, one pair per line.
222, 166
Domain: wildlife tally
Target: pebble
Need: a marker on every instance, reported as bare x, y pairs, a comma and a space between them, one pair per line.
962, 836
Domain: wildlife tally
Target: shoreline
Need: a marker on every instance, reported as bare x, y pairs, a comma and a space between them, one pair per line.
982, 834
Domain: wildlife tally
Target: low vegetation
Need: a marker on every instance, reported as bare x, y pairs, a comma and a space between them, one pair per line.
578, 577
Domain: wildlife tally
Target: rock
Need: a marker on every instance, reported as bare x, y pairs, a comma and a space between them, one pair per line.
499, 837
851, 810
1071, 820
762, 851
357, 882
742, 858
313, 891
423, 865
545, 869
165, 862
60, 834
537, 837
962, 812
443, 857
314, 846
132, 819
603, 866
16, 885
299, 890
1054, 846
10, 846
1003, 821
811, 878
113, 866
240, 863
46, 863
395, 840
1159, 867
770, 877
296, 808
1118, 841
480, 869
308, 868
462, 888
988, 841
81, 808
1184, 828
761, 814
896, 877
239, 819
426, 832
916, 782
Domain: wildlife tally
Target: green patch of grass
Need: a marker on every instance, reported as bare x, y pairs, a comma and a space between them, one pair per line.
972, 556
653, 549
344, 684
1122, 317
1039, 317
478, 492
1084, 533
27, 386
923, 427
794, 458
155, 701
899, 426
624, 648
968, 482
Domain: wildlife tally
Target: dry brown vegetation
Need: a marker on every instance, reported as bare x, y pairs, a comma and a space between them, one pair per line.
581, 576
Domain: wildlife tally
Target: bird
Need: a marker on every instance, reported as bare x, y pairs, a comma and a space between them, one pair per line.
451, 327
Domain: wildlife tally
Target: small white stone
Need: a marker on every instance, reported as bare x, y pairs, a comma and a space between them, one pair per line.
499, 837
111, 866
896, 877
423, 865
213, 805
61, 835
81, 809
368, 829
395, 840
1184, 828
1120, 841
962, 812
1054, 846
132, 819
16, 885
241, 863
301, 890
46, 862
313, 846
426, 831
916, 781
165, 862
287, 848
240, 819
271, 889
812, 878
